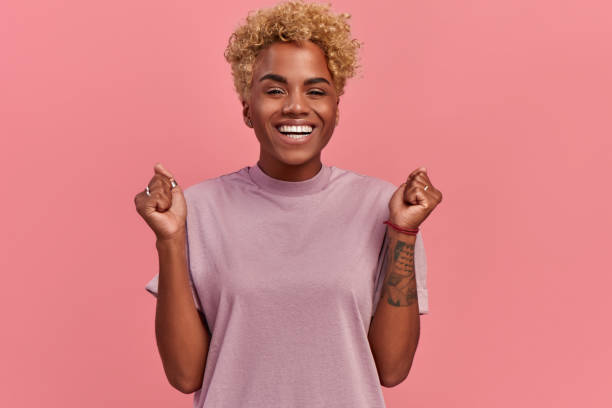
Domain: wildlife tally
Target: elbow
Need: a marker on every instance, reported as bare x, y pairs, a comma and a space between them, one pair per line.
392, 378
185, 386
392, 381
186, 380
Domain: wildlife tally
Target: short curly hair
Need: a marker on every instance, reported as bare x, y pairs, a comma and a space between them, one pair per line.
293, 21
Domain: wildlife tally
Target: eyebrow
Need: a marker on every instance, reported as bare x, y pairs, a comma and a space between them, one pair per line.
280, 78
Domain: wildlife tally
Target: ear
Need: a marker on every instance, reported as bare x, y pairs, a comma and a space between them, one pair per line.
337, 112
245, 108
245, 114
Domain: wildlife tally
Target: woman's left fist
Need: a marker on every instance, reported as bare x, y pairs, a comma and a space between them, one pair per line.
414, 200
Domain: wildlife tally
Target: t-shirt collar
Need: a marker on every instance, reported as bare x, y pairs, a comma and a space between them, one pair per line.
290, 188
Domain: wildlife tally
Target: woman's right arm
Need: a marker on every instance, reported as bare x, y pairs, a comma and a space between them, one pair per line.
181, 332
182, 337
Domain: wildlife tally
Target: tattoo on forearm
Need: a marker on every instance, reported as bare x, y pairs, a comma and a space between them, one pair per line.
400, 285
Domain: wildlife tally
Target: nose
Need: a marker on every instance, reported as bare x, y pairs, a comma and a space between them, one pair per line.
295, 104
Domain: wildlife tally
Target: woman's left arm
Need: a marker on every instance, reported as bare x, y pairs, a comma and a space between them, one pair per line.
395, 329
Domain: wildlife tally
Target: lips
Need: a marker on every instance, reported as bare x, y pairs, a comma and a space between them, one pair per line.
294, 123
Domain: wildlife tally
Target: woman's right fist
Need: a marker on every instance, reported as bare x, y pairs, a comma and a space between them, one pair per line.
165, 210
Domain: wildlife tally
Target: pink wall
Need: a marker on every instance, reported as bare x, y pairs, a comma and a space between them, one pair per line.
507, 104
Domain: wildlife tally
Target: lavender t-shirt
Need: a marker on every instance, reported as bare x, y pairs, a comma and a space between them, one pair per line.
288, 277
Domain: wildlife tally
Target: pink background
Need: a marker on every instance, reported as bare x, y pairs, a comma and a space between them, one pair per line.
507, 103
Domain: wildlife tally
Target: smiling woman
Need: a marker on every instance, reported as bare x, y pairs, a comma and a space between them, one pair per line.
271, 276
290, 64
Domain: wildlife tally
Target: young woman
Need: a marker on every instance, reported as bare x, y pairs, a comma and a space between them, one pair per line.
289, 283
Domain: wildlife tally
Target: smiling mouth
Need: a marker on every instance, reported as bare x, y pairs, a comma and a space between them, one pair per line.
296, 132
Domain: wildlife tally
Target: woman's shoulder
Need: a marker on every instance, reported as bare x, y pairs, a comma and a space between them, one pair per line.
213, 183
215, 187
363, 181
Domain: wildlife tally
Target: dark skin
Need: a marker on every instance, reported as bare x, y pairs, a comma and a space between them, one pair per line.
395, 328
272, 100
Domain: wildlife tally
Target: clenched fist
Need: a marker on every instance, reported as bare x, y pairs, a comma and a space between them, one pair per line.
414, 200
165, 209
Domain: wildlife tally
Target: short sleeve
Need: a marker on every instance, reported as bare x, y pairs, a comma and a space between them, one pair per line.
152, 286
420, 266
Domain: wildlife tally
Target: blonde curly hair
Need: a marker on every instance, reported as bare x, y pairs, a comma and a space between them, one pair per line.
293, 21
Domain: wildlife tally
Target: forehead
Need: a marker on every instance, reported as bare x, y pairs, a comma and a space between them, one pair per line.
292, 61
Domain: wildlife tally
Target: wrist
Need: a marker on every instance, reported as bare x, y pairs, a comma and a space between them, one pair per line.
401, 236
176, 240
401, 227
398, 222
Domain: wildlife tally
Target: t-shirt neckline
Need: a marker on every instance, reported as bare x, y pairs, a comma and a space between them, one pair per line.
290, 188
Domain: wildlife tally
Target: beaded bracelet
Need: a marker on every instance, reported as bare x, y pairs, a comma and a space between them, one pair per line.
411, 231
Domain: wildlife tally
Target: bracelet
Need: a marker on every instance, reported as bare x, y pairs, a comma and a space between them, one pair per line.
411, 231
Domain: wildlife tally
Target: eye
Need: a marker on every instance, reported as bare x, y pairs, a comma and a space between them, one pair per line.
317, 92
274, 91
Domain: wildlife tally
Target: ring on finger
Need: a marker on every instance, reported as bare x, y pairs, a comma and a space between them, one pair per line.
148, 191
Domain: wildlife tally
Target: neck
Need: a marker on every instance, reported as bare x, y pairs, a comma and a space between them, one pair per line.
291, 172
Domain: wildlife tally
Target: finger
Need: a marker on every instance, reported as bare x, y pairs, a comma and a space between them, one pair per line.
160, 193
415, 193
160, 169
410, 196
158, 201
415, 172
419, 179
422, 177
163, 202
160, 198
417, 184
140, 200
159, 180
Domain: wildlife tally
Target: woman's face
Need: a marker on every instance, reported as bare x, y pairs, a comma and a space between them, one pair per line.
291, 86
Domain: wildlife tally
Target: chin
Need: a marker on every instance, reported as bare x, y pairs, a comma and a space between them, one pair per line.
296, 158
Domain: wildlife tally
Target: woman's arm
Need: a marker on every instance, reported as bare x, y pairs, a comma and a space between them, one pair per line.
182, 338
395, 328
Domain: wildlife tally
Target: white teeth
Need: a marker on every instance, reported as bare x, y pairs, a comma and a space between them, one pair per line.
295, 129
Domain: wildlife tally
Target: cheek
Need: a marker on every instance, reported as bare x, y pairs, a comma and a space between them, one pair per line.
264, 111
327, 112
325, 109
